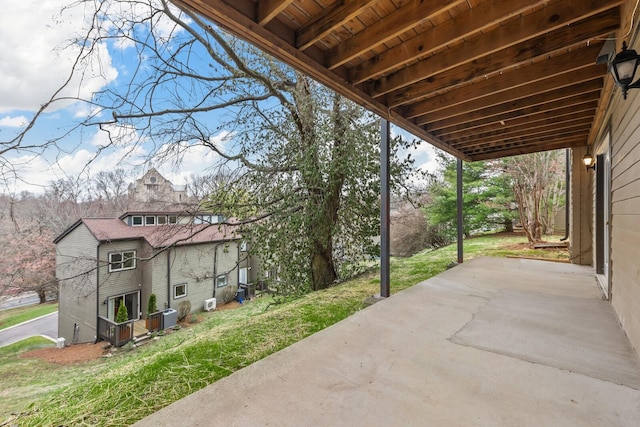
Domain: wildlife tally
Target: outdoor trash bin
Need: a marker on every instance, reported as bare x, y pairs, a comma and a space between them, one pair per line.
169, 318
240, 295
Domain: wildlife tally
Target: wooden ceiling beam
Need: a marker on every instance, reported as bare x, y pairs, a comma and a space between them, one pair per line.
548, 30
569, 142
549, 113
277, 39
267, 10
541, 139
526, 81
524, 129
472, 21
522, 135
559, 98
332, 17
390, 26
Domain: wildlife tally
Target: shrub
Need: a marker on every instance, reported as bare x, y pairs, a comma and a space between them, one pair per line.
151, 306
122, 315
184, 308
226, 294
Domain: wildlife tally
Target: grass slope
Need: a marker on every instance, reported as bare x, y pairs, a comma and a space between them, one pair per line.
126, 388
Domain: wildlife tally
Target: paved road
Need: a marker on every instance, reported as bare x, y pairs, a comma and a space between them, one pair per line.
45, 325
28, 298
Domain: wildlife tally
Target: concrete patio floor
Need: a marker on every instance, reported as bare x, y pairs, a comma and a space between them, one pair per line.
491, 342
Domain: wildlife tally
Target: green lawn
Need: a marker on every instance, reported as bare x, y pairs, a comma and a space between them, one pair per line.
15, 316
123, 389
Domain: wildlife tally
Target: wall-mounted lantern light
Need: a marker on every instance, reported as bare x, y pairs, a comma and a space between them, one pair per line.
589, 161
623, 68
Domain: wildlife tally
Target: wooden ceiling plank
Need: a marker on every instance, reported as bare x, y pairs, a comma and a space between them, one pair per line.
524, 129
499, 62
334, 16
266, 10
540, 139
517, 120
563, 97
528, 149
517, 41
577, 66
474, 20
552, 129
390, 26
239, 21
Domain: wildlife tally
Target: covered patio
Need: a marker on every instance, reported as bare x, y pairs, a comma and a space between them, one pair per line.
491, 341
533, 345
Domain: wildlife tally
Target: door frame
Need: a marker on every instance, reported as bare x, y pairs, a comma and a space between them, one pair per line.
603, 216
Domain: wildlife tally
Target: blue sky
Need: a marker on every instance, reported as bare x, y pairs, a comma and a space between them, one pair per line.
37, 59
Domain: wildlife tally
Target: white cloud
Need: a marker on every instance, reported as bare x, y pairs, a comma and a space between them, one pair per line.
34, 63
36, 172
14, 122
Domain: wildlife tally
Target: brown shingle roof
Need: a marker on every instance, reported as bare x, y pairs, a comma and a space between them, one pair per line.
111, 229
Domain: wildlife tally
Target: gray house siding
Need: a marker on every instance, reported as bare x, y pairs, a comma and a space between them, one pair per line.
197, 267
76, 271
625, 213
119, 282
623, 222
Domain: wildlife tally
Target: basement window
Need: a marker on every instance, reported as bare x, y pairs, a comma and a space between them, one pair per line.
221, 281
180, 291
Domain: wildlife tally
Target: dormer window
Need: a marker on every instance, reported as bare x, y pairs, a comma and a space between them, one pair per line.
136, 220
149, 220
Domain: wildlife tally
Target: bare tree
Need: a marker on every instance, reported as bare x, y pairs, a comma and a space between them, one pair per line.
536, 182
304, 160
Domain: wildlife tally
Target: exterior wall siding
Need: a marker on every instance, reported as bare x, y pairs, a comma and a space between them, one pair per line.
625, 215
194, 266
580, 210
119, 282
625, 211
75, 268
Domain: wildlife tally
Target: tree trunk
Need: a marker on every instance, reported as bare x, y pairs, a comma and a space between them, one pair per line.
508, 225
322, 269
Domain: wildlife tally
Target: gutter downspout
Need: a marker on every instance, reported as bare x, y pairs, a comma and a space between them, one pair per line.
567, 173
215, 266
97, 293
168, 278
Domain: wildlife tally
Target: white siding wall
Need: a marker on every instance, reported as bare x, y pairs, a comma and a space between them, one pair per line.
75, 268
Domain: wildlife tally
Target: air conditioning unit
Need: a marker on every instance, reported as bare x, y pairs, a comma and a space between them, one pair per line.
209, 304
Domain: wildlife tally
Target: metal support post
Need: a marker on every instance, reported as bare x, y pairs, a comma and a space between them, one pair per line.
385, 200
460, 216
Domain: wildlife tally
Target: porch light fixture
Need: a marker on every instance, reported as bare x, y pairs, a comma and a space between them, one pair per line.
589, 161
623, 68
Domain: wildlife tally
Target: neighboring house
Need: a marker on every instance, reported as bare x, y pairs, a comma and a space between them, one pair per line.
154, 188
104, 262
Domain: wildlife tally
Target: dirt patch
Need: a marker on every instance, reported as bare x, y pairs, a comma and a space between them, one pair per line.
229, 306
77, 353
517, 246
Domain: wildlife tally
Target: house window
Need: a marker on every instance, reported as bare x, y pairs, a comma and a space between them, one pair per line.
243, 246
149, 220
180, 291
173, 219
221, 281
119, 261
136, 220
162, 220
